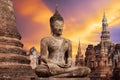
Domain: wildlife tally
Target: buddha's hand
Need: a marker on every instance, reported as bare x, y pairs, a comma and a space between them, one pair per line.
68, 65
63, 65
45, 60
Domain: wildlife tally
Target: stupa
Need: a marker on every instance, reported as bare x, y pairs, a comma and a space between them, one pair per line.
13, 62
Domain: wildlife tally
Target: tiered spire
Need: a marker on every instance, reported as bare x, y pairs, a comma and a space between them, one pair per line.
105, 36
79, 57
104, 22
102, 50
104, 16
79, 49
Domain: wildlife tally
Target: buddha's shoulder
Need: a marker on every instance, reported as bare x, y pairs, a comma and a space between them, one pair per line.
46, 38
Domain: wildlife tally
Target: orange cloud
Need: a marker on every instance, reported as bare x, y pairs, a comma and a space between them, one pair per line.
39, 13
87, 32
90, 33
35, 9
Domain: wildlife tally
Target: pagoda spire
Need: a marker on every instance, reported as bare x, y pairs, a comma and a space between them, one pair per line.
79, 57
104, 22
104, 16
105, 34
79, 49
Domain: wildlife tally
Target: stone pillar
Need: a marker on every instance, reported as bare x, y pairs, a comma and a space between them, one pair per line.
13, 62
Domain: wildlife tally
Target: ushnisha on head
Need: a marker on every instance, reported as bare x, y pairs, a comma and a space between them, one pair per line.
56, 23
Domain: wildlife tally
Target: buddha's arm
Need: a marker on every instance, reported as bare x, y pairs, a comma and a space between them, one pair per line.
69, 60
44, 49
69, 55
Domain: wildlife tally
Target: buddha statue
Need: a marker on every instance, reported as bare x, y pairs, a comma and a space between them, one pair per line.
56, 53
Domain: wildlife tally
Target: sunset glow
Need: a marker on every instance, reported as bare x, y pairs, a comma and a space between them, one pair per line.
82, 20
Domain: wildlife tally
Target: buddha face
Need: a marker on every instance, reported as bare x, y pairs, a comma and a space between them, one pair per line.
57, 27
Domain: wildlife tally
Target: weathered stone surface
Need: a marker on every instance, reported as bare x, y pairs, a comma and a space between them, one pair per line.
15, 50
46, 79
13, 62
7, 20
14, 58
9, 41
64, 79
56, 53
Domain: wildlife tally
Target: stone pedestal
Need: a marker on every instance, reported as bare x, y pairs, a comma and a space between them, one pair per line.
64, 79
13, 62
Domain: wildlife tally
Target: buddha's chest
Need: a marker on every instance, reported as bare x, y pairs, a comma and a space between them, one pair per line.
58, 45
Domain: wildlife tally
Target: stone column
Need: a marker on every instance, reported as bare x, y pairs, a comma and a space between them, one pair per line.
13, 62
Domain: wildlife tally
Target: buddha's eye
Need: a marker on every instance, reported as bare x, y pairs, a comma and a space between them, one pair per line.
57, 25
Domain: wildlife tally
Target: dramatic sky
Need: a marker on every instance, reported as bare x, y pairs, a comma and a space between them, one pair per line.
82, 20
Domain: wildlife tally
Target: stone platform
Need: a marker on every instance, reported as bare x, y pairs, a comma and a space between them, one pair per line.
45, 78
64, 79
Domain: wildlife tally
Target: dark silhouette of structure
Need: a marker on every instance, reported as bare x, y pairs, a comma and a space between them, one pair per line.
79, 57
103, 58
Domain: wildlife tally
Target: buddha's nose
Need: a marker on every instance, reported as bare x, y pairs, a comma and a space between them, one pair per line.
60, 29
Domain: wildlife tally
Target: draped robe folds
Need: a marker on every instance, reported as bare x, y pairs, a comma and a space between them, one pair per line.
57, 54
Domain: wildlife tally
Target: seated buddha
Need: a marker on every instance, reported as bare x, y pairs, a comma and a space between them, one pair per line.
56, 53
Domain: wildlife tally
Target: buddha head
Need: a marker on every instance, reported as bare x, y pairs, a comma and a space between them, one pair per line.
56, 23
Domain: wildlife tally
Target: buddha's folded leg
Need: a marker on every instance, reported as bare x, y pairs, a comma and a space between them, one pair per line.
55, 69
81, 72
75, 72
46, 70
42, 70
